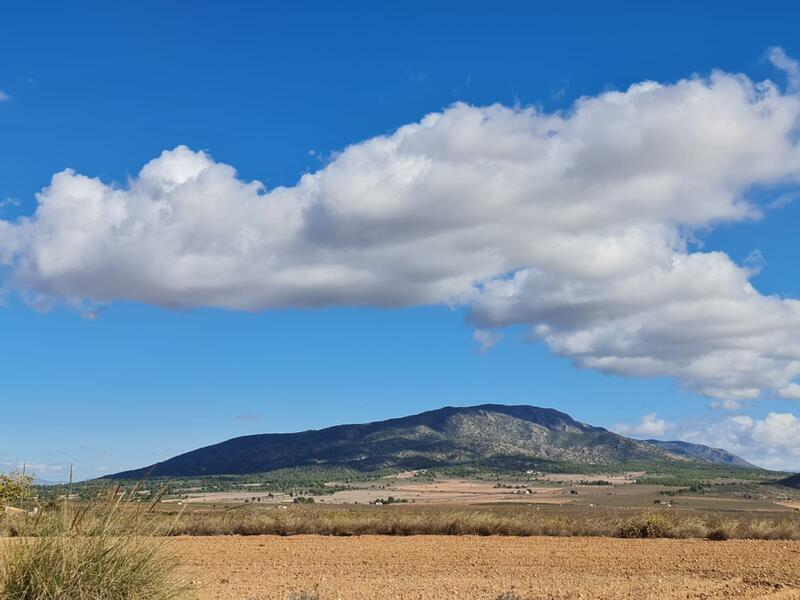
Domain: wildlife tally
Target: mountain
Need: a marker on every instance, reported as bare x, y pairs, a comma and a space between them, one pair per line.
792, 481
490, 435
702, 453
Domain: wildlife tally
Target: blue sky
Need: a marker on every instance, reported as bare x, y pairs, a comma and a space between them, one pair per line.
274, 91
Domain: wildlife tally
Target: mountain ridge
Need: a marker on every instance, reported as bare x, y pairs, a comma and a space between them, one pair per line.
518, 435
702, 452
793, 481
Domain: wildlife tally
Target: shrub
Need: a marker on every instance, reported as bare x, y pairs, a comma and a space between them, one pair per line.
718, 534
647, 526
719, 530
14, 487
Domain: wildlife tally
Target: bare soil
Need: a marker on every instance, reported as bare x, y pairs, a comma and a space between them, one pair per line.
467, 567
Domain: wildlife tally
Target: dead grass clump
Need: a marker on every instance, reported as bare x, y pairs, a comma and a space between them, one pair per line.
785, 530
763, 529
718, 534
86, 568
99, 551
689, 526
719, 530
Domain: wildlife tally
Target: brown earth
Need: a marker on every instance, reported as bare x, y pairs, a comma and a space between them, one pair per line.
466, 567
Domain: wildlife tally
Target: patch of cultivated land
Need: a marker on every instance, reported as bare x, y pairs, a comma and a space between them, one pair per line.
560, 490
449, 491
467, 567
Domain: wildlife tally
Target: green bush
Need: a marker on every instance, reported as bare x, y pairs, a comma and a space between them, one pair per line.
14, 487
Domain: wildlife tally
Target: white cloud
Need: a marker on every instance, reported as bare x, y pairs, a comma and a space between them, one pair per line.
649, 427
31, 467
788, 65
486, 339
10, 202
4, 97
772, 442
575, 223
782, 201
790, 392
726, 404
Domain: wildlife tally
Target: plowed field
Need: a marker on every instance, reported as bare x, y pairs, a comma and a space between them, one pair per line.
466, 567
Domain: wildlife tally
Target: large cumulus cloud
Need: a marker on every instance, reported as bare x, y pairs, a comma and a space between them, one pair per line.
575, 223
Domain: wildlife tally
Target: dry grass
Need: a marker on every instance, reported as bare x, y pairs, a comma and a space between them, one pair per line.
407, 520
484, 521
100, 551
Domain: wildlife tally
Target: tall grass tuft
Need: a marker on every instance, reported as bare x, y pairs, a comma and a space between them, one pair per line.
99, 551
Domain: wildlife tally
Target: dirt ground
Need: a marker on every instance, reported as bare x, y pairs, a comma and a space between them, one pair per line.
466, 567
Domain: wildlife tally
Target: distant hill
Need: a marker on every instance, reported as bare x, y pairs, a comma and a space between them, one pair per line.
490, 435
703, 453
792, 482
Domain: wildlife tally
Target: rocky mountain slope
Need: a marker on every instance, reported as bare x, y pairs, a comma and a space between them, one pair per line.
703, 453
490, 435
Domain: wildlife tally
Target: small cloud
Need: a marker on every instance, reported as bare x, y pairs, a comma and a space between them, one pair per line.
10, 202
727, 404
790, 392
649, 426
94, 313
782, 201
252, 416
754, 262
559, 91
780, 60
486, 339
4, 97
